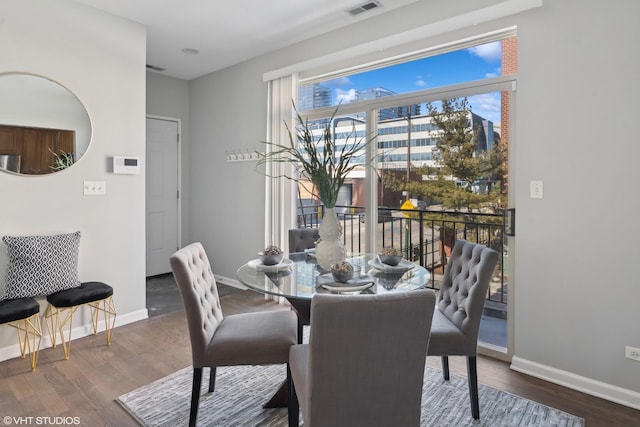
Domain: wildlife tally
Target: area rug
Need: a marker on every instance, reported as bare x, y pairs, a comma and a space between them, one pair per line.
241, 392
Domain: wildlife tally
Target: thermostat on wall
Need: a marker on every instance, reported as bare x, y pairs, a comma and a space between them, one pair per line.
126, 165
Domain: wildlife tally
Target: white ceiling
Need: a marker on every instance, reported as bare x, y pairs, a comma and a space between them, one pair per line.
227, 32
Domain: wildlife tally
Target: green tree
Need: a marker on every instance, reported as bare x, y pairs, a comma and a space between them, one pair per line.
466, 177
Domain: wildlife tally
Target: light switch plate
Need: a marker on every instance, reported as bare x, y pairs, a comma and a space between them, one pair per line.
95, 188
536, 189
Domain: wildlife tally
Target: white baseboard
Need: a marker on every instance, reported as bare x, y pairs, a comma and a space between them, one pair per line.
125, 319
576, 382
12, 351
81, 331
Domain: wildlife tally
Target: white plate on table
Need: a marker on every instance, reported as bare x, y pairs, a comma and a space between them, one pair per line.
361, 283
281, 266
403, 266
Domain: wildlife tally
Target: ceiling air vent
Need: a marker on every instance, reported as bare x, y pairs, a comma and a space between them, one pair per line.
155, 68
365, 7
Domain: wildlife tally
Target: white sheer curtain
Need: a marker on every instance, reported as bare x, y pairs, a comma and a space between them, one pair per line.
279, 192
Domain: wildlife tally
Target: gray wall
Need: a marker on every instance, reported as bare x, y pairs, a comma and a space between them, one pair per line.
576, 289
102, 60
228, 111
576, 292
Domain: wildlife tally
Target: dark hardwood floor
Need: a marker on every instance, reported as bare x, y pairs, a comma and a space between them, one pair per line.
86, 385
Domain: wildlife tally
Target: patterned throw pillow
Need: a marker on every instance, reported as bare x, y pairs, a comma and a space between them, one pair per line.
41, 265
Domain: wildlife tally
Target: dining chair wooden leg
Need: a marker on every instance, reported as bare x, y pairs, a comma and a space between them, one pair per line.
292, 401
472, 375
445, 367
195, 396
212, 379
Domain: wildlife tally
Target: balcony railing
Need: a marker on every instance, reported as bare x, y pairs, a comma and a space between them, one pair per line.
425, 236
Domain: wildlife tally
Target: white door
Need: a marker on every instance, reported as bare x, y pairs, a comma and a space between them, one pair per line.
162, 191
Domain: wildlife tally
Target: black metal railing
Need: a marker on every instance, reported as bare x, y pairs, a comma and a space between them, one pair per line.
424, 236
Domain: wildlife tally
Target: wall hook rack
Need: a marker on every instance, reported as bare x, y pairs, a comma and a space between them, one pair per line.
247, 156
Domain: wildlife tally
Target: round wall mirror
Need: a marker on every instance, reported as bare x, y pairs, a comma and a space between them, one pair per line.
44, 128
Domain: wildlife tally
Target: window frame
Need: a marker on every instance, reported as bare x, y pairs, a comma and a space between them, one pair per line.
370, 108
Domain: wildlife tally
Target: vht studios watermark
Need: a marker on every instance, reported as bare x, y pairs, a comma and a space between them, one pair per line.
40, 421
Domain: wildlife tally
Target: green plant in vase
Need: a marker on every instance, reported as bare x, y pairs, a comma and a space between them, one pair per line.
318, 159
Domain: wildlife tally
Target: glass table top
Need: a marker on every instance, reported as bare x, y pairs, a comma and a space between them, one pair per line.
299, 276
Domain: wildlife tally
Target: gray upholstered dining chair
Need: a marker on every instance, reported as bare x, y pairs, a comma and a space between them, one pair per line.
260, 338
302, 238
364, 363
456, 319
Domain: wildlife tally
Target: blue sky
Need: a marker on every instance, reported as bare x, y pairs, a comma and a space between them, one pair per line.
476, 63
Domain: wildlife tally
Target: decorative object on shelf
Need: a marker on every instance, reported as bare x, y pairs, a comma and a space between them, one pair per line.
319, 160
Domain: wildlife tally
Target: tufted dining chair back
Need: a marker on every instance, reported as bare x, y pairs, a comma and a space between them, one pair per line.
257, 338
456, 319
464, 286
199, 291
364, 363
302, 238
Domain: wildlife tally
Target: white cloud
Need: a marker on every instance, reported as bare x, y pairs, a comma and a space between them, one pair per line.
487, 106
340, 81
345, 96
489, 52
420, 81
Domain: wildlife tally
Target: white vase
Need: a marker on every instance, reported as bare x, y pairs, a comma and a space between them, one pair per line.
330, 249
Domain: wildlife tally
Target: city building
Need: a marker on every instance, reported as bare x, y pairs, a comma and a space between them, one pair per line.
313, 96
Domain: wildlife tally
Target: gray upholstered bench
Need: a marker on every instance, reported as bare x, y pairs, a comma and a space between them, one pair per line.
62, 305
23, 314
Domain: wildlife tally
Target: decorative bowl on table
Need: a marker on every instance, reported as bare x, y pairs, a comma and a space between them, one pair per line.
271, 255
343, 271
390, 256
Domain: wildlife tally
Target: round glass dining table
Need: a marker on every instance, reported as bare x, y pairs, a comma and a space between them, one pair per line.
298, 277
